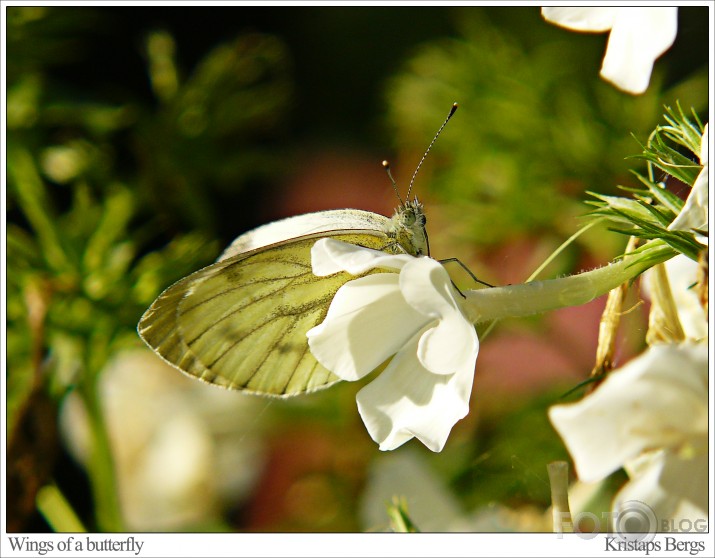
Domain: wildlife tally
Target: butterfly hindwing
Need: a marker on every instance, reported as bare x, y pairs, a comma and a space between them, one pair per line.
241, 322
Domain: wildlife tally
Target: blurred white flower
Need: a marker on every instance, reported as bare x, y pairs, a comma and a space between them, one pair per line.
430, 503
650, 417
413, 315
637, 37
181, 449
694, 215
406, 474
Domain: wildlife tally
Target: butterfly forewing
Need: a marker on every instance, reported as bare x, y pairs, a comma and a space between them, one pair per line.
241, 323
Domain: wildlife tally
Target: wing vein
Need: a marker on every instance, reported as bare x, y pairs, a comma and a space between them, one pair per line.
263, 324
231, 289
234, 310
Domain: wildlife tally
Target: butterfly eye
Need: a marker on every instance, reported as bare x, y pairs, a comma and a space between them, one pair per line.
410, 218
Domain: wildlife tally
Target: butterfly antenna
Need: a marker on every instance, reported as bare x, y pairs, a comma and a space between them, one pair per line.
386, 166
451, 112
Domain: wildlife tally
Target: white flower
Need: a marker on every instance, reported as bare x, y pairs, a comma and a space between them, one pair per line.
181, 452
407, 474
413, 315
650, 417
694, 215
682, 274
638, 36
431, 505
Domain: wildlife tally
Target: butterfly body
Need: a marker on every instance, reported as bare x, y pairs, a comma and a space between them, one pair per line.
241, 322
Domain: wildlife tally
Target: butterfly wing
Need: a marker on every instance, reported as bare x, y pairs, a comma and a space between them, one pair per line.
309, 224
241, 322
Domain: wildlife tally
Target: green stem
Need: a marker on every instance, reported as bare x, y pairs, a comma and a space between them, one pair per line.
542, 296
101, 466
559, 480
57, 511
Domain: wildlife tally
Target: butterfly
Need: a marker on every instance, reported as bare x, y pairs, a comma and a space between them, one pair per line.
241, 322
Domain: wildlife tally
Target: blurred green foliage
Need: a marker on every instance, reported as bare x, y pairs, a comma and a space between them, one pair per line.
131, 156
95, 190
538, 126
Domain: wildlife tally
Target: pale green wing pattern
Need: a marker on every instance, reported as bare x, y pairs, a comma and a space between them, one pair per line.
241, 322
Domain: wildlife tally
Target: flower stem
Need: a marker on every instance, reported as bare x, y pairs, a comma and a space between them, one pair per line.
57, 511
496, 303
101, 467
559, 480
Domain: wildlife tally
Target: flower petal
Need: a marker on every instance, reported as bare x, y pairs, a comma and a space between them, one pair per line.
426, 287
694, 214
330, 256
443, 348
674, 486
367, 322
581, 19
638, 37
656, 400
682, 274
407, 401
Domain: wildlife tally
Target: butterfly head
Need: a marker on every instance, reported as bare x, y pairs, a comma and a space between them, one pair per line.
408, 223
408, 228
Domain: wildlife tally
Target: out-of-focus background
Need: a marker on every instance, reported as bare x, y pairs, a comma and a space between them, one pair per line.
140, 141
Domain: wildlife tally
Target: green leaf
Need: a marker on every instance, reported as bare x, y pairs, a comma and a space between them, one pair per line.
29, 190
400, 521
118, 208
660, 194
680, 131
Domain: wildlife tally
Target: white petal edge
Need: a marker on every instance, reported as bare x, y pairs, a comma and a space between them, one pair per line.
675, 487
367, 322
581, 19
408, 401
682, 275
658, 399
427, 287
330, 256
694, 214
637, 38
443, 348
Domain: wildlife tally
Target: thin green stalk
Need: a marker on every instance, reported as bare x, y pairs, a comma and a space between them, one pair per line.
100, 466
57, 511
483, 335
560, 509
563, 246
535, 297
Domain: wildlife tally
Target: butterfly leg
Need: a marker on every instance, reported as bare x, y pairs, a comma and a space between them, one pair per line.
465, 268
